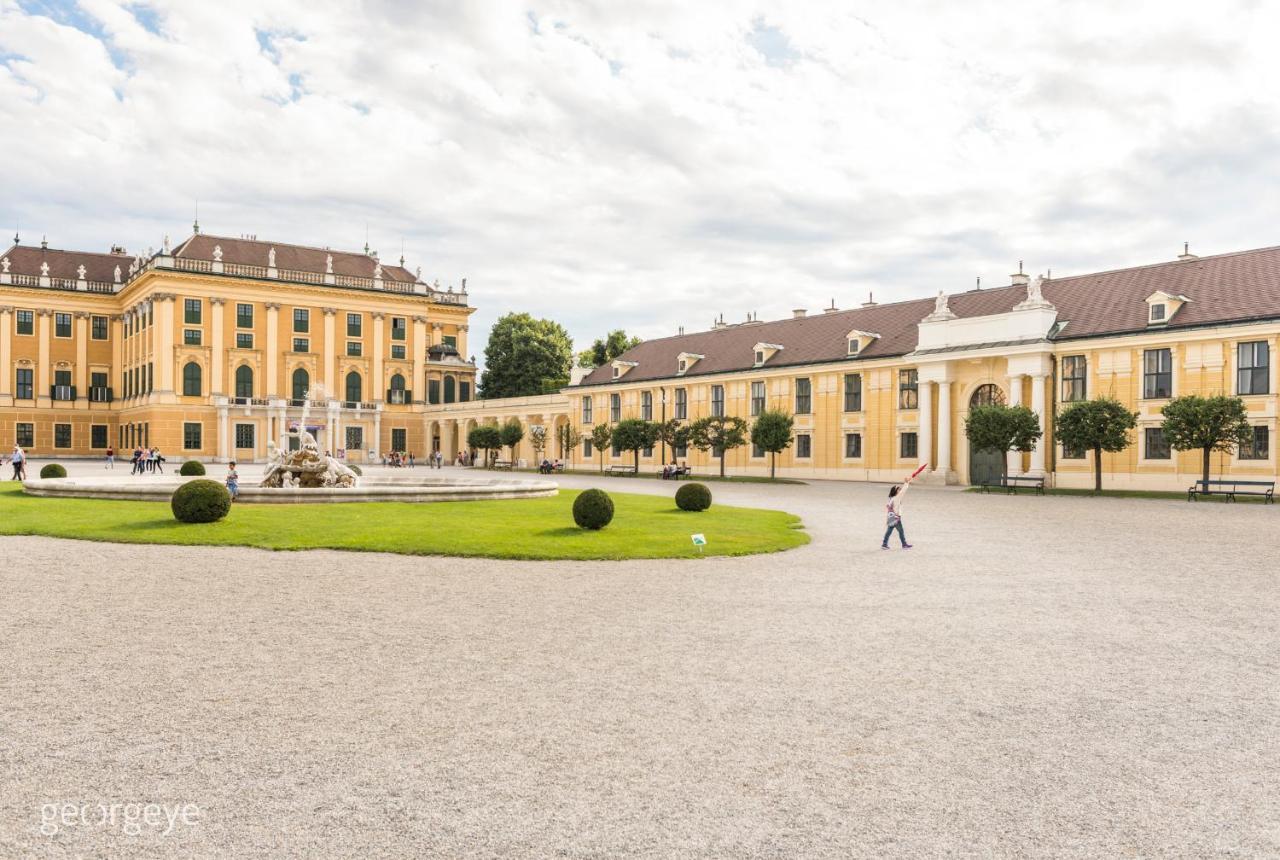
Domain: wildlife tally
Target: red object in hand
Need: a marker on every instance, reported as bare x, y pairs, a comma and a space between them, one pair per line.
923, 466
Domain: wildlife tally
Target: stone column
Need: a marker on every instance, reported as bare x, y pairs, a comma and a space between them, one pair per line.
1037, 406
217, 358
943, 466
273, 349
330, 357
116, 376
462, 341
419, 347
6, 355
164, 305
1014, 458
378, 383
81, 377
448, 448
924, 441
224, 439
43, 374
437, 333
377, 435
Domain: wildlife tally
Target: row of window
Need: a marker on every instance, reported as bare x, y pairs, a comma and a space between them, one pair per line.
1155, 447
25, 435
803, 400
803, 448
300, 385
25, 322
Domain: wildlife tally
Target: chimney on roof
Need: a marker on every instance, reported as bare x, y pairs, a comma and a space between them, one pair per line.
44, 243
870, 302
1019, 279
1186, 253
118, 250
681, 330
798, 313
719, 323
831, 309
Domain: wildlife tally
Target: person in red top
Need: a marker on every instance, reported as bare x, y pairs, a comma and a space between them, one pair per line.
111, 458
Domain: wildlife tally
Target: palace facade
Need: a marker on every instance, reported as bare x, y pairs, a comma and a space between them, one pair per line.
210, 348
877, 390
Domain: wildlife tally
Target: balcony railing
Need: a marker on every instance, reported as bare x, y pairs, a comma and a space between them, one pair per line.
399, 397
62, 392
99, 394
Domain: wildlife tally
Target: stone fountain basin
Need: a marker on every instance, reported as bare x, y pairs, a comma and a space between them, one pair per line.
375, 488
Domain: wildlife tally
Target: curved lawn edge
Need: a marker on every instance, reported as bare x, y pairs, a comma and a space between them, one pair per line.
644, 527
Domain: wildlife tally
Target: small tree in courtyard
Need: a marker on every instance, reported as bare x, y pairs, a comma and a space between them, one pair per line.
1208, 423
600, 436
510, 435
772, 433
1097, 426
568, 439
538, 440
484, 438
672, 434
1002, 429
634, 434
718, 433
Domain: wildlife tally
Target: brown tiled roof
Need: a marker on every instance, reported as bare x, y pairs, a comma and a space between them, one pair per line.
253, 252
1226, 288
26, 260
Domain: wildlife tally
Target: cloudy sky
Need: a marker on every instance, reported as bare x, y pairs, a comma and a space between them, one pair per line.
652, 164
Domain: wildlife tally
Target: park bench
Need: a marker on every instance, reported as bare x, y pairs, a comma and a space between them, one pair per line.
1229, 489
620, 470
677, 473
1011, 483
503, 464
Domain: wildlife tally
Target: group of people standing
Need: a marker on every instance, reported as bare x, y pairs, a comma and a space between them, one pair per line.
145, 461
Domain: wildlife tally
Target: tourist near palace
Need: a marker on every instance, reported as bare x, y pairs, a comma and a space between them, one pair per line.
211, 347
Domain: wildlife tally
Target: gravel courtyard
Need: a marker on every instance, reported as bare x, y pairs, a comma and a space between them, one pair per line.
1038, 677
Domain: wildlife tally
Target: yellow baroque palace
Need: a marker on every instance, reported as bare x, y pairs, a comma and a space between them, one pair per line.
210, 348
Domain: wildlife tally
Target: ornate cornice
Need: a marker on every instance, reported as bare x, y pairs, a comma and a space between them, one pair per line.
6, 309
329, 311
217, 300
420, 319
43, 312
272, 306
378, 315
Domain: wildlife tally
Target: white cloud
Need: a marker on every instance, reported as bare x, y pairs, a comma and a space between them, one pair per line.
653, 164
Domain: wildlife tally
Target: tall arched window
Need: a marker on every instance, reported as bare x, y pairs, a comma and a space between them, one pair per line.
301, 383
244, 381
353, 387
396, 394
987, 395
449, 395
191, 379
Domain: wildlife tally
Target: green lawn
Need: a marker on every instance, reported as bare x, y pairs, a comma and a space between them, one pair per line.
642, 527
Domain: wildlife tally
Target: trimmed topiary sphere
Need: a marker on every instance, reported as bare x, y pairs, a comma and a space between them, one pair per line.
192, 467
200, 501
593, 509
693, 497
53, 470
353, 467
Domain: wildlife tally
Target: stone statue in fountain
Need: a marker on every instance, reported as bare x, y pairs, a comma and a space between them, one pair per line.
305, 466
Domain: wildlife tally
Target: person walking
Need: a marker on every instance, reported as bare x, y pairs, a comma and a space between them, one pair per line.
233, 481
157, 461
136, 461
18, 459
439, 458
894, 513
111, 458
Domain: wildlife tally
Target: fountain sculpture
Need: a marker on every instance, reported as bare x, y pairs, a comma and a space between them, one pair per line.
304, 466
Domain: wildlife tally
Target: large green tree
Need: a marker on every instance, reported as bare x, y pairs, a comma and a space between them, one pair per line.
1208, 423
634, 434
718, 433
772, 432
1095, 425
600, 436
605, 349
1002, 429
525, 356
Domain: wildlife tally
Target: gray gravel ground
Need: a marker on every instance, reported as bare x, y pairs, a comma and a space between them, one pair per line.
1040, 677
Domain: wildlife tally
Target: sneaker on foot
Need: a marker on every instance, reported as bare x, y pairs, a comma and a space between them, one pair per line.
884, 546
906, 546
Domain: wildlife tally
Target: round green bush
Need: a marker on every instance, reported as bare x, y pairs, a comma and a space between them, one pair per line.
53, 470
593, 509
192, 467
693, 497
353, 467
200, 501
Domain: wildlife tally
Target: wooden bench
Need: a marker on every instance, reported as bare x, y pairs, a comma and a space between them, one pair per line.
1229, 489
619, 470
676, 473
1011, 483
503, 464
